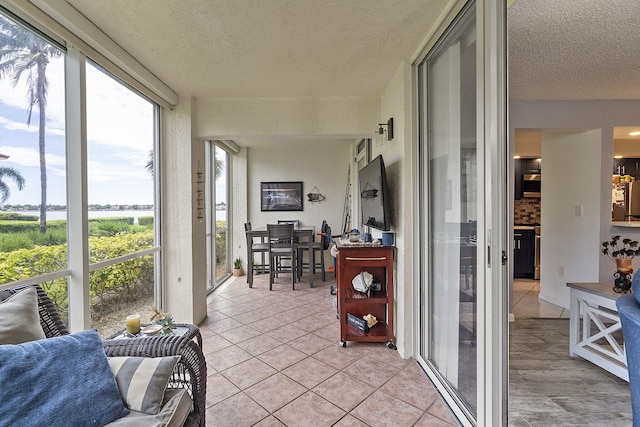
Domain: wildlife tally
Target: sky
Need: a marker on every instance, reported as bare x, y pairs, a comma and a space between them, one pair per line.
119, 133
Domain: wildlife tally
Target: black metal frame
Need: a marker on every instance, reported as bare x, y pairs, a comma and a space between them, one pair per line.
290, 191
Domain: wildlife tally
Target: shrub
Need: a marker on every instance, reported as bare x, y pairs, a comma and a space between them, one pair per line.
111, 285
126, 219
221, 241
145, 220
13, 216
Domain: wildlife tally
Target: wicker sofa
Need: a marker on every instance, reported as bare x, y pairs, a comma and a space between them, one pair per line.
188, 374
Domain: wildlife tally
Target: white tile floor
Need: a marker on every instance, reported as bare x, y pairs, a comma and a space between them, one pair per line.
526, 302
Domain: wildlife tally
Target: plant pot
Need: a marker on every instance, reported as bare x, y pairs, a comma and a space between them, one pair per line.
624, 265
237, 272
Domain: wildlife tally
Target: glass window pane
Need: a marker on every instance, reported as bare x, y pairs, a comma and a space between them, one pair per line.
449, 294
222, 264
32, 155
120, 185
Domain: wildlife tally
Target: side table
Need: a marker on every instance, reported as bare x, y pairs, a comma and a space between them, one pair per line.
186, 330
595, 327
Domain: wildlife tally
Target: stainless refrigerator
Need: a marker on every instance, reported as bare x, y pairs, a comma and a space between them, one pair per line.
627, 205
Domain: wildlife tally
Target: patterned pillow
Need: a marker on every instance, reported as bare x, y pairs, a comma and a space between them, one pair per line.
19, 318
143, 380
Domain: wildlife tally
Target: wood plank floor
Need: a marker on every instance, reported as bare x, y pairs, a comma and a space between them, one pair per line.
549, 388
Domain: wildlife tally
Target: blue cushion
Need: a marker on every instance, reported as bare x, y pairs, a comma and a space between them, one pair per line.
61, 381
629, 311
635, 286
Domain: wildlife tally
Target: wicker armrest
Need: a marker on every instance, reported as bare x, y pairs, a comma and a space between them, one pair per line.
190, 372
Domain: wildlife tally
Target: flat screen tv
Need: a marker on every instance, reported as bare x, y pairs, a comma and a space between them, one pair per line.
374, 197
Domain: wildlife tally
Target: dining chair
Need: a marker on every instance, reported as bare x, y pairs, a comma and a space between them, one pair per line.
295, 222
319, 248
255, 247
281, 240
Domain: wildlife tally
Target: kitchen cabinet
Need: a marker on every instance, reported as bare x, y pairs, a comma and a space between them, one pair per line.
524, 253
377, 260
517, 169
524, 167
531, 166
627, 167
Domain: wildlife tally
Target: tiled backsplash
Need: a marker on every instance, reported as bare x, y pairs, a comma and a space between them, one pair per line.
526, 211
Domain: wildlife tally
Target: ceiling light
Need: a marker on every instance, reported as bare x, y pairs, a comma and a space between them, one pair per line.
617, 157
516, 157
636, 133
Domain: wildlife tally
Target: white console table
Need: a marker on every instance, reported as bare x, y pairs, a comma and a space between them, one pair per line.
594, 321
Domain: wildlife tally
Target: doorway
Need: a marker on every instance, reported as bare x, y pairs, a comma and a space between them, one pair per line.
213, 204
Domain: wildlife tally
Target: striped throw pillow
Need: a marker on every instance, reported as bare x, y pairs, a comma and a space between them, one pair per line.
143, 380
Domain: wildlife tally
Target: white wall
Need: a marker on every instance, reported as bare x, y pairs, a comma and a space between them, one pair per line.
397, 155
184, 249
570, 214
347, 117
305, 137
321, 165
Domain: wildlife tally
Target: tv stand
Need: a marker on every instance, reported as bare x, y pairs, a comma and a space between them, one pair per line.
377, 260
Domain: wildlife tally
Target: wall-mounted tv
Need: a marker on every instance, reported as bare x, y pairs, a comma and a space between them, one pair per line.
374, 198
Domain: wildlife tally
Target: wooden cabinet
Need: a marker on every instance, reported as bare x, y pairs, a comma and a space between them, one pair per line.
531, 166
524, 253
517, 168
626, 167
522, 168
377, 260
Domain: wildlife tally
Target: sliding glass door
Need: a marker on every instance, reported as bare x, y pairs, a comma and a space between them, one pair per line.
217, 214
457, 162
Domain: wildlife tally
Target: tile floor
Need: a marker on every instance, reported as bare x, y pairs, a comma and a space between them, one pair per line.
273, 359
527, 305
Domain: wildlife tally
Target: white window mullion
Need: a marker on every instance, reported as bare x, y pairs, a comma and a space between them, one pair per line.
77, 212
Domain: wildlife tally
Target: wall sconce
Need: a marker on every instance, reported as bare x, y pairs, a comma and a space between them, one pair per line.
389, 126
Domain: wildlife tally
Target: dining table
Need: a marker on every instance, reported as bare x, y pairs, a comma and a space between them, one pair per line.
304, 235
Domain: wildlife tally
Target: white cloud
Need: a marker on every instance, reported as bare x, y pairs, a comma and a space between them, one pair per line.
119, 130
26, 156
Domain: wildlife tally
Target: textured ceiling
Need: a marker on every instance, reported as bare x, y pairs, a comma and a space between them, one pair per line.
574, 49
558, 50
274, 48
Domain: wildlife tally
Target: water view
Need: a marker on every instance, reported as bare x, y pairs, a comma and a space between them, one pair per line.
221, 215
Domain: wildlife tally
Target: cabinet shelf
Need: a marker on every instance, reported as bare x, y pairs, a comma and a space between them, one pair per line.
379, 333
375, 297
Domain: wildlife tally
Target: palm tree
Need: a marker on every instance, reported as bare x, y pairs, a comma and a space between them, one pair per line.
23, 53
149, 165
6, 172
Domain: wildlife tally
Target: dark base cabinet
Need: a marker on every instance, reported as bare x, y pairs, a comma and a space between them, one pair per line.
524, 253
377, 260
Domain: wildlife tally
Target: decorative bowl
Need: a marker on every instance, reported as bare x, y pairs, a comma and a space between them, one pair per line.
151, 329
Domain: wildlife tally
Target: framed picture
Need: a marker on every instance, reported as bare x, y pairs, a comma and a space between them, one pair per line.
281, 196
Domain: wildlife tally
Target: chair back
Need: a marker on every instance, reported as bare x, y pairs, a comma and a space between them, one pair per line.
326, 239
281, 235
295, 222
629, 311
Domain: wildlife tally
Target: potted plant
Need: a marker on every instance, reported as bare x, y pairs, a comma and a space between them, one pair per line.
621, 251
237, 267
